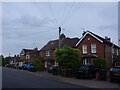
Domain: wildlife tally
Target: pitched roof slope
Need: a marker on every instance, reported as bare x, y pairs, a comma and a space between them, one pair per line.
31, 51
99, 37
51, 45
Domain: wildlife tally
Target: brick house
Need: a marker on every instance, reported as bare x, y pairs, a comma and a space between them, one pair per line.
48, 51
91, 46
27, 55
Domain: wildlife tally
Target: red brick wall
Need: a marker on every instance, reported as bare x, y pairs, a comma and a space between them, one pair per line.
99, 46
52, 54
43, 54
108, 55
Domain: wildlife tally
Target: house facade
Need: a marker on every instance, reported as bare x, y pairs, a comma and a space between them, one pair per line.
28, 55
92, 46
48, 51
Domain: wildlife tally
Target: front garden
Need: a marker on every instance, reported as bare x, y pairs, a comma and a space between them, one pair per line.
70, 62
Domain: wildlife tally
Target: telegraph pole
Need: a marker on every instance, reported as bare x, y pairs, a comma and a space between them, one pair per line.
59, 44
59, 36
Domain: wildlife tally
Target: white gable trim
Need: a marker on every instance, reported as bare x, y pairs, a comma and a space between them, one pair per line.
22, 52
85, 36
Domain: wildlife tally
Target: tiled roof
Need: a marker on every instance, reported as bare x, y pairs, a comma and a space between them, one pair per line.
104, 40
31, 51
51, 45
101, 38
97, 37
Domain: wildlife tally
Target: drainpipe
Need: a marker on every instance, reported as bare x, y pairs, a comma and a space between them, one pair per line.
113, 54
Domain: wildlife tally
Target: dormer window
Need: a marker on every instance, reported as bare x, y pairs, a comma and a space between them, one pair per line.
47, 53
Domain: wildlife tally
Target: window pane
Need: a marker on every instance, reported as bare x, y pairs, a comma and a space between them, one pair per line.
47, 53
93, 48
84, 48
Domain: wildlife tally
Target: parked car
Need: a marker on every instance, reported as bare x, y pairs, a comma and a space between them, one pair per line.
115, 74
86, 71
24, 67
7, 65
29, 66
50, 69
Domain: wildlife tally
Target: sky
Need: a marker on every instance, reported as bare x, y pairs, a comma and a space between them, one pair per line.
33, 24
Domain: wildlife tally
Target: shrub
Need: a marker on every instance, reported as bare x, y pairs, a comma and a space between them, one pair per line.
100, 63
68, 57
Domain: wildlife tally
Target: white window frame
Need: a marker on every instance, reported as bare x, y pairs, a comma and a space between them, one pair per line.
84, 48
47, 53
27, 56
93, 48
87, 61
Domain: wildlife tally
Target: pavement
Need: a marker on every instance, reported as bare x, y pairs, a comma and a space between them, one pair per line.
92, 83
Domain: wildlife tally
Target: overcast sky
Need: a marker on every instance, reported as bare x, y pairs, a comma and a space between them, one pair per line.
30, 25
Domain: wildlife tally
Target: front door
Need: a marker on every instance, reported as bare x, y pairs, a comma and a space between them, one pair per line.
87, 61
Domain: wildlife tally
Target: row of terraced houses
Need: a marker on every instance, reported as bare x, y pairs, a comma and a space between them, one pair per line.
90, 45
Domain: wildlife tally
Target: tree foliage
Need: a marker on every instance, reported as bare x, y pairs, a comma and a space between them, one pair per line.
1, 59
4, 60
100, 63
36, 62
68, 57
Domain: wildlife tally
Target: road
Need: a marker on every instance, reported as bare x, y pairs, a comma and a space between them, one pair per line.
18, 79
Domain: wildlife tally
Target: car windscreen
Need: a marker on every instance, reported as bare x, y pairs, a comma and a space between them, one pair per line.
116, 69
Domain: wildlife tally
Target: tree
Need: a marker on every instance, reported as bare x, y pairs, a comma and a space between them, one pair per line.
68, 57
1, 59
4, 61
100, 63
36, 62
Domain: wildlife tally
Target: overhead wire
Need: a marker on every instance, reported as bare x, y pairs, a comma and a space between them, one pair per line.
46, 16
39, 8
38, 32
67, 14
72, 13
64, 11
49, 6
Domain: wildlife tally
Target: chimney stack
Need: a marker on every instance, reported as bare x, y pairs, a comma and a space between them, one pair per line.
106, 38
36, 49
83, 33
62, 36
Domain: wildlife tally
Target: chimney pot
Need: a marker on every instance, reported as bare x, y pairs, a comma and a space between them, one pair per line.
83, 33
107, 38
